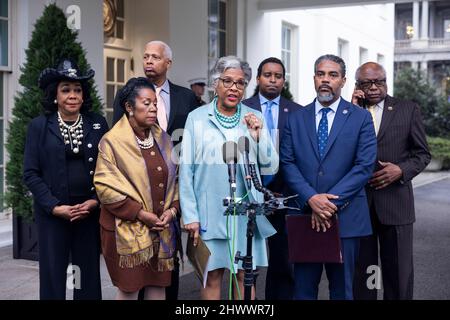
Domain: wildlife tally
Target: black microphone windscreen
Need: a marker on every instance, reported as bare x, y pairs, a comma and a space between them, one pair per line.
230, 152
244, 144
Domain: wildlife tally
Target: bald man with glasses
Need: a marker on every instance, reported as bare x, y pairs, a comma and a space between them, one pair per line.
402, 153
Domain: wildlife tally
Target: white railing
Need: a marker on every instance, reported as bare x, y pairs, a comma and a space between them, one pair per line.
438, 43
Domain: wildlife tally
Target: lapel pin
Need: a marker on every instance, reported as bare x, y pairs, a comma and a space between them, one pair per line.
390, 108
345, 111
96, 126
286, 110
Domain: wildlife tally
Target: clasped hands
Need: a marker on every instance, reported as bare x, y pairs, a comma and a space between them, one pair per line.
154, 222
75, 212
322, 210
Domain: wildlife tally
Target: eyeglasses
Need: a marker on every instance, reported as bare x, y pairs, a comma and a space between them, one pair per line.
228, 83
366, 84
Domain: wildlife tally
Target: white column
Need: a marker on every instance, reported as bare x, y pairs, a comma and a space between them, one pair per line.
431, 32
425, 16
416, 20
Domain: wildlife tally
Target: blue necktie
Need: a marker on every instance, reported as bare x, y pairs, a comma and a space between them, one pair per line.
267, 179
269, 117
322, 132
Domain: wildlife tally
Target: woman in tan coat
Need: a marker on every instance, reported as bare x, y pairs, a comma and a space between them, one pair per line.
136, 183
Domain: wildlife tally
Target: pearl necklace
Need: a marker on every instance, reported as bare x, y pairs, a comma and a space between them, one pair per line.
72, 134
145, 144
228, 122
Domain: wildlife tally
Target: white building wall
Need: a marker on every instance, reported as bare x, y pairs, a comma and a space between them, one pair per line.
146, 24
188, 40
318, 31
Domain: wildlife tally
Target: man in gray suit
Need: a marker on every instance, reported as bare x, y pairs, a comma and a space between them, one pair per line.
402, 153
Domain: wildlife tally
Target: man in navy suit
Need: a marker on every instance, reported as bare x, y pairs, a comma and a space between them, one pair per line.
327, 155
276, 110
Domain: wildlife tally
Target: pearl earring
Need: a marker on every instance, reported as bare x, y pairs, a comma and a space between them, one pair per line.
55, 101
131, 113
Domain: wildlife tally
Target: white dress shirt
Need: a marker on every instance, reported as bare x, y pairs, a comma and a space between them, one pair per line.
330, 115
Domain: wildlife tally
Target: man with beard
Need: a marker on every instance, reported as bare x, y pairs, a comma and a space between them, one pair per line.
174, 104
327, 155
276, 110
402, 154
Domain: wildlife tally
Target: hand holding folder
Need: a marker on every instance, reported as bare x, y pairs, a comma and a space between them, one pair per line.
198, 256
306, 245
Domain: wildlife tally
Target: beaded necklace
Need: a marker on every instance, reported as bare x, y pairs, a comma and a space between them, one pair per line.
72, 134
147, 143
226, 121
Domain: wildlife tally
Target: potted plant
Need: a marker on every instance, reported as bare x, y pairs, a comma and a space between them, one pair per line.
440, 153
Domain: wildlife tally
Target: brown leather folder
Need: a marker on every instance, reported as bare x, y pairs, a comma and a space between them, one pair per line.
199, 257
309, 246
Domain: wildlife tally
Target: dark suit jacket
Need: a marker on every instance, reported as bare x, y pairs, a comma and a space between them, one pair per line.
45, 159
401, 140
182, 101
286, 108
344, 169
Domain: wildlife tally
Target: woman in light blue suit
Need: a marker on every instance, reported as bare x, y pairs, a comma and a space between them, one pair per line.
204, 176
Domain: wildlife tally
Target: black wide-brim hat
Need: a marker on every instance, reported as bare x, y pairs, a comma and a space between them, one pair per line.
67, 69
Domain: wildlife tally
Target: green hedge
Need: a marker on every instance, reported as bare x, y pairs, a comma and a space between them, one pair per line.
440, 149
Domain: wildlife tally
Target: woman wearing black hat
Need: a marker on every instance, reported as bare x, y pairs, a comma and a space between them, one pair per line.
59, 163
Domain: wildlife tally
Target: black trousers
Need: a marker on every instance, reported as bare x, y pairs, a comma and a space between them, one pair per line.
61, 242
396, 256
280, 273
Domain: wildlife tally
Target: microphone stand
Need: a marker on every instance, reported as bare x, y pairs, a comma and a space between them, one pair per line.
251, 210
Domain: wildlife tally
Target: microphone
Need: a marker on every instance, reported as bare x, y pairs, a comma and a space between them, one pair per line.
244, 148
230, 157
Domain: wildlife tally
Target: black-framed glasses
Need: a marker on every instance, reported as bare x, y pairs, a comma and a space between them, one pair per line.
228, 83
366, 84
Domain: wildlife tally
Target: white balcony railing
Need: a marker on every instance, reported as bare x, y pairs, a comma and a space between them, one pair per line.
438, 43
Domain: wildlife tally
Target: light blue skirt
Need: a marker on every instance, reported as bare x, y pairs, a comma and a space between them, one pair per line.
222, 254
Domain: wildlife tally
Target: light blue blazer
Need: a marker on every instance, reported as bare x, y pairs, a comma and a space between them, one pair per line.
203, 177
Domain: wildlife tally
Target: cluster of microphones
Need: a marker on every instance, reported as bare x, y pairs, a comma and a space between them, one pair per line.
231, 152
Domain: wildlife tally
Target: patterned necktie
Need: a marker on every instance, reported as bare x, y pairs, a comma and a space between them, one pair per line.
267, 179
269, 117
371, 109
322, 132
161, 114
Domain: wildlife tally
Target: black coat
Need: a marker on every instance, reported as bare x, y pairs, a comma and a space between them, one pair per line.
182, 101
401, 140
45, 159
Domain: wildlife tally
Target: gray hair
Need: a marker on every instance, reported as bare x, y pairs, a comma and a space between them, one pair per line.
167, 50
230, 62
331, 57
370, 64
